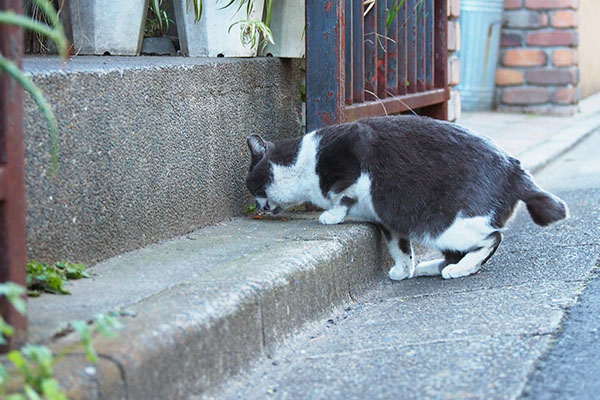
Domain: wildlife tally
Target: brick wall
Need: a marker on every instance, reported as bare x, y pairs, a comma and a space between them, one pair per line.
538, 62
454, 108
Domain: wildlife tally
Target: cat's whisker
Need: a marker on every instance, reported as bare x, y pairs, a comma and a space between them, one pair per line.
378, 100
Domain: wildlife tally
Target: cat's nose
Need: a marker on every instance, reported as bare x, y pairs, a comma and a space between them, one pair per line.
267, 208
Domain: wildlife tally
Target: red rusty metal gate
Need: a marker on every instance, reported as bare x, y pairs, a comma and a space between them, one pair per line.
358, 66
12, 174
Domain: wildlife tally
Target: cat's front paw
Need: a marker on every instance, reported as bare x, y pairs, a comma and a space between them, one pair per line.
331, 217
398, 274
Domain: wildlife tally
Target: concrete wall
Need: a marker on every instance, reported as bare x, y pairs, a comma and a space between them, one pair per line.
589, 46
151, 148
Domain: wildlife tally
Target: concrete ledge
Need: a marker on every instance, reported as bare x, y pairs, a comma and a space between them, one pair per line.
208, 303
151, 147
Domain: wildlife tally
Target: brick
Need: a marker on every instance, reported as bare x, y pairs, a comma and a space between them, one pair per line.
566, 95
551, 4
564, 19
552, 38
511, 40
526, 19
545, 109
523, 58
453, 36
539, 76
454, 8
564, 57
525, 95
513, 4
509, 77
454, 106
453, 71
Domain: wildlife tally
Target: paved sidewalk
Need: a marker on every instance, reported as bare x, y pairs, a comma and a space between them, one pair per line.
207, 303
534, 139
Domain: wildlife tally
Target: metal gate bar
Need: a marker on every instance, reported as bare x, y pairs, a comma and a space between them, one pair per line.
375, 70
13, 252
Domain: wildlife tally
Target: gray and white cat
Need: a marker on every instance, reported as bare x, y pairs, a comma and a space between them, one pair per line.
419, 179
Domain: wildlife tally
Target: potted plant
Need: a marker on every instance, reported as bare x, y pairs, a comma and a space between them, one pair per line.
209, 28
286, 18
112, 27
158, 22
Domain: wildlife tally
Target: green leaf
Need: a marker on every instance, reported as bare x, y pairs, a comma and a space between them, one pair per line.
17, 359
31, 393
15, 396
251, 208
51, 278
13, 293
6, 331
3, 375
108, 325
85, 333
36, 94
393, 13
51, 390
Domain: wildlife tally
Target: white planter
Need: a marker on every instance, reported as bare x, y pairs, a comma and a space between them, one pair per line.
108, 26
287, 25
209, 37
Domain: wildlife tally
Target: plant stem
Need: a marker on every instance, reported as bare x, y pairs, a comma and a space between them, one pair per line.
269, 13
52, 15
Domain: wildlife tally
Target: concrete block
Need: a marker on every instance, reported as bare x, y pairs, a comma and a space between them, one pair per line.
150, 147
287, 25
108, 26
215, 34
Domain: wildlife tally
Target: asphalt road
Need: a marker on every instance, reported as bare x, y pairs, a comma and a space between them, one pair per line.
527, 325
571, 370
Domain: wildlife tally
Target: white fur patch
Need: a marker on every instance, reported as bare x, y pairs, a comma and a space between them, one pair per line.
334, 216
462, 235
299, 182
363, 209
429, 268
471, 262
404, 266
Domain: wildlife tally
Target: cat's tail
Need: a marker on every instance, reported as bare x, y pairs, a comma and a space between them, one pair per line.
544, 208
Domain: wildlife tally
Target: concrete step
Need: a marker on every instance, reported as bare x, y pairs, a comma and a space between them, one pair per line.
206, 304
150, 147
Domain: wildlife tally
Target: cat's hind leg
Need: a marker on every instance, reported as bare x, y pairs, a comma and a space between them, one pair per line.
402, 252
472, 261
435, 267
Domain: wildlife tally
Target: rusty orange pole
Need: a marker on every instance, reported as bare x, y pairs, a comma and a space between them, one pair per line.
13, 250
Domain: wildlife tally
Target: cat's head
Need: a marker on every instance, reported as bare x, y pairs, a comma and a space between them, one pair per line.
260, 175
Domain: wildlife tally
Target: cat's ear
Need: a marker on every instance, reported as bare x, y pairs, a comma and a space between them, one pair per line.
258, 147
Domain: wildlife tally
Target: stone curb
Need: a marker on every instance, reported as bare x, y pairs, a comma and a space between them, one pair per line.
186, 340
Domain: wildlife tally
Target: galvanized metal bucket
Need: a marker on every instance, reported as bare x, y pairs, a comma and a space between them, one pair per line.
480, 24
